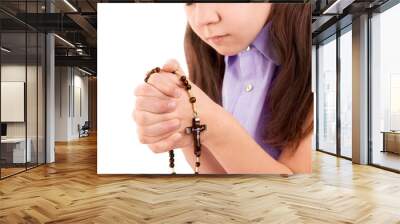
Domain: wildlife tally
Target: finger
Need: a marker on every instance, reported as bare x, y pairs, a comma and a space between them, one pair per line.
147, 118
172, 65
153, 139
146, 89
166, 144
160, 128
165, 83
172, 77
154, 104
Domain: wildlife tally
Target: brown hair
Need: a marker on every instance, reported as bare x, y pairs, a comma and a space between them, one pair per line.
289, 100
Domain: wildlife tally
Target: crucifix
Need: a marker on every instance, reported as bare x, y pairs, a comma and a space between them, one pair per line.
196, 129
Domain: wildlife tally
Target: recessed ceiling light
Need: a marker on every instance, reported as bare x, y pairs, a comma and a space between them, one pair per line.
70, 5
64, 40
337, 7
84, 71
5, 50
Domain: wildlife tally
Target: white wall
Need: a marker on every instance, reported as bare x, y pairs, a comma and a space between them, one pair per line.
70, 83
80, 83
61, 103
124, 55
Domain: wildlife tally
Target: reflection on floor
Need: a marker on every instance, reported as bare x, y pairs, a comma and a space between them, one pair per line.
10, 171
387, 159
347, 152
70, 191
13, 169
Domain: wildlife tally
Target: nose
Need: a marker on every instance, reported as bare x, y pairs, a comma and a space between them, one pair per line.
205, 14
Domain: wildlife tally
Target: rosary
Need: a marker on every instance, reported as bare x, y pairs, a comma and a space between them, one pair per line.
196, 127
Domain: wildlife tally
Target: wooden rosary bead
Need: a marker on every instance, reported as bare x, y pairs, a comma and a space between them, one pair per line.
171, 160
196, 127
147, 77
156, 70
183, 78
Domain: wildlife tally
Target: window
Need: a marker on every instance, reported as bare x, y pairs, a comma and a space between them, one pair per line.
385, 89
327, 95
346, 75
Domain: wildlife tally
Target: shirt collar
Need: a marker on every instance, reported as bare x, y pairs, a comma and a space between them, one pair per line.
261, 43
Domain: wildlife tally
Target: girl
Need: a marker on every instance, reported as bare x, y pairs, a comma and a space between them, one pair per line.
250, 71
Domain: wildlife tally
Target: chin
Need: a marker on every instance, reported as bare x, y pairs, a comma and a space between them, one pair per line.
226, 51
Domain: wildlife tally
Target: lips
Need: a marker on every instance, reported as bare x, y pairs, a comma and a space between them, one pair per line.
217, 38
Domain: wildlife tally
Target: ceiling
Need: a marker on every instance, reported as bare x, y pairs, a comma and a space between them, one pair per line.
332, 15
76, 22
73, 20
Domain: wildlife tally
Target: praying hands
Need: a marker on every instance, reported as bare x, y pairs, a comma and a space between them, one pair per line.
163, 110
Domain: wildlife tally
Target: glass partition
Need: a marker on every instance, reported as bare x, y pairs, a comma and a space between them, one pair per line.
22, 101
327, 96
14, 153
385, 89
346, 93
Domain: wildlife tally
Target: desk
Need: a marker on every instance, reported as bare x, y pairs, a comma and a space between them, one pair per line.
391, 141
15, 148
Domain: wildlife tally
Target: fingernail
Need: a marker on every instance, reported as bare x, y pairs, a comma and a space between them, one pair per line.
172, 104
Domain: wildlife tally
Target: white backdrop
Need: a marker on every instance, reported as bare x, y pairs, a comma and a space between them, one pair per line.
132, 39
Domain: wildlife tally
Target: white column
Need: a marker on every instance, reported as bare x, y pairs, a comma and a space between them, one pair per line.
360, 90
50, 93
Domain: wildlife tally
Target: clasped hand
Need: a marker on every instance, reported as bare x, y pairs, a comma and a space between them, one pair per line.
163, 111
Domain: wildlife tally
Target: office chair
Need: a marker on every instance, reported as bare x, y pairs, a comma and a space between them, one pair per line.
84, 130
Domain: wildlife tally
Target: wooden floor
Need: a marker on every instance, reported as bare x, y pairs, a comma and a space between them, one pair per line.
70, 191
10, 171
388, 159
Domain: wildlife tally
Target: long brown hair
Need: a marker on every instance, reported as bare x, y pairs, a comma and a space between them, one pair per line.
289, 100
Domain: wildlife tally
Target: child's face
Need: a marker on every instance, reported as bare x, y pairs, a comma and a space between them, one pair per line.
227, 27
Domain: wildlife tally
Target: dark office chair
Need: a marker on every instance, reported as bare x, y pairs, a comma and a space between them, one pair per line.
84, 130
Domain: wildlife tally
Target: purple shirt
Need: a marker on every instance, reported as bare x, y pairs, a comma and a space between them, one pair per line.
246, 82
